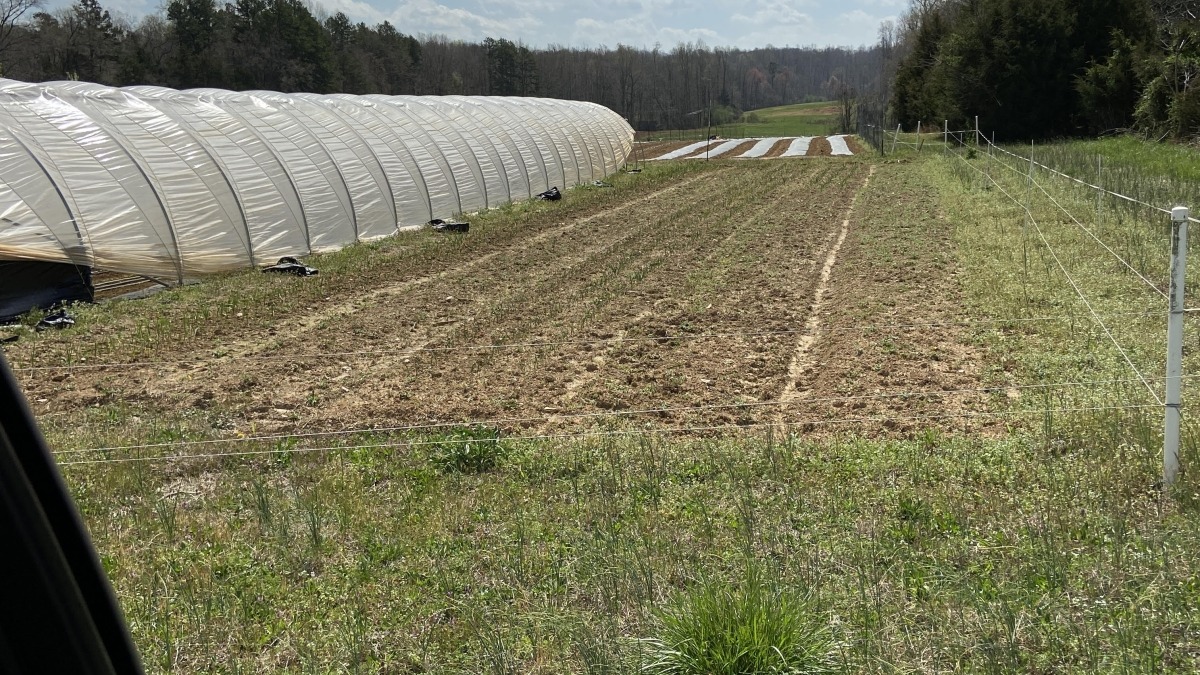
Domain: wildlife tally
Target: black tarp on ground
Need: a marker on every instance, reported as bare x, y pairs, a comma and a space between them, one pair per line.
26, 285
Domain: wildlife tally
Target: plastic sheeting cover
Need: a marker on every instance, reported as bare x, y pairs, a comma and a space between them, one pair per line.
798, 147
173, 184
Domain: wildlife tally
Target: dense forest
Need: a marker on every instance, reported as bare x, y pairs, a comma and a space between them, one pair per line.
285, 45
1028, 68
1037, 68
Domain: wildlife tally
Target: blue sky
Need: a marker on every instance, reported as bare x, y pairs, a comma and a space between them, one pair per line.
641, 23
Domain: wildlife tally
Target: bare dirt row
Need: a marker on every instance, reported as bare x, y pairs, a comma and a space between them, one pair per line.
893, 350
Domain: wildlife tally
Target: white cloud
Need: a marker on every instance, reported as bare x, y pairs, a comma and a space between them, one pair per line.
458, 23
357, 10
636, 31
774, 13
588, 23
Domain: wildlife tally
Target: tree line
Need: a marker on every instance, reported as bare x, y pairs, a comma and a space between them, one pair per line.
292, 46
1039, 68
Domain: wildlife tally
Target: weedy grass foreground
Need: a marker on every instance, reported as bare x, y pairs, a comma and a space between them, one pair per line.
631, 554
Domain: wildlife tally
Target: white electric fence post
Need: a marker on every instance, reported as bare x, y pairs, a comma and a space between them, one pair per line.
989, 156
977, 131
896, 139
946, 138
1179, 224
1028, 196
1099, 183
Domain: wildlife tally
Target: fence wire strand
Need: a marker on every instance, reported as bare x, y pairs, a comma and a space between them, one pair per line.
597, 434
1099, 188
1083, 227
933, 393
561, 343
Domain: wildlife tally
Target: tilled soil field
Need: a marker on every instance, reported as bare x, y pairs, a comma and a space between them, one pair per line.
778, 149
732, 294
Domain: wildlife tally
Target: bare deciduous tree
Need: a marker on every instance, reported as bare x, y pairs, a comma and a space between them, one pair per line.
11, 12
1172, 11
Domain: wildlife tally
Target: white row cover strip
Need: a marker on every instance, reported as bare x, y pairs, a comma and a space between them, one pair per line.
799, 147
685, 150
840, 148
725, 147
174, 184
761, 148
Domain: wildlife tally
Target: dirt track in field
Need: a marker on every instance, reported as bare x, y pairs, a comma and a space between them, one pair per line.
778, 149
691, 299
892, 351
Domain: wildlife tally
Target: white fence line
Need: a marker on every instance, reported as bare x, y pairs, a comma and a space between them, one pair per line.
1084, 183
1086, 229
1171, 401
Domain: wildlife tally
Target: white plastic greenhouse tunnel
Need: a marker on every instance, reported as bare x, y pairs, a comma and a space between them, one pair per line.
172, 185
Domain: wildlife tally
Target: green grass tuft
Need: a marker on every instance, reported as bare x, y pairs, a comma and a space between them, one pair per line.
757, 626
473, 449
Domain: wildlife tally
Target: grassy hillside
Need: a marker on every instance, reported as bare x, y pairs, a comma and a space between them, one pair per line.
801, 119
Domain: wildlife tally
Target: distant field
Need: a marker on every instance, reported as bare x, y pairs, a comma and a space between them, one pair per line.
801, 119
804, 119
